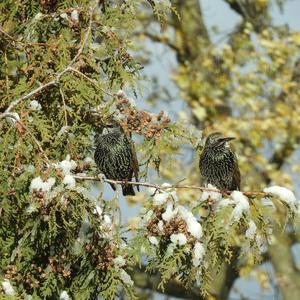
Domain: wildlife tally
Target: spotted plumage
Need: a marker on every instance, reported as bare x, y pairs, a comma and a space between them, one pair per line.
116, 158
218, 163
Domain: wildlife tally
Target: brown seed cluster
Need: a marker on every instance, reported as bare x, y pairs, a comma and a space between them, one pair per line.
175, 225
39, 197
105, 257
141, 122
57, 266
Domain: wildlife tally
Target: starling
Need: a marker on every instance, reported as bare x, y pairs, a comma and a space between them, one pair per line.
218, 163
116, 157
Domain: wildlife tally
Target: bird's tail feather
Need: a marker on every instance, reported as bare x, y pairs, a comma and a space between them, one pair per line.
128, 190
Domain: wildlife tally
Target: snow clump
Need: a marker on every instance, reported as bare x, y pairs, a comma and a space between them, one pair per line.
38, 184
69, 181
241, 205
8, 288
178, 238
35, 105
250, 232
198, 252
64, 296
284, 194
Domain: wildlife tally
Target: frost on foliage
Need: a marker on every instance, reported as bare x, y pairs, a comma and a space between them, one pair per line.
63, 130
119, 261
38, 184
35, 105
261, 243
284, 194
69, 181
178, 238
67, 165
64, 296
198, 254
125, 277
210, 194
8, 288
250, 232
267, 202
241, 205
153, 240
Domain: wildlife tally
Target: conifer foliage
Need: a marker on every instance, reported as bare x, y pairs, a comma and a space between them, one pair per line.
61, 65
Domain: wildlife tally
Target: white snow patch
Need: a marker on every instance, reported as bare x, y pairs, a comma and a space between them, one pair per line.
169, 213
153, 240
210, 194
193, 226
13, 117
64, 296
178, 239
224, 202
38, 184
35, 105
160, 198
98, 210
74, 15
119, 261
8, 288
160, 225
241, 205
38, 16
89, 160
64, 16
284, 194
120, 93
199, 252
63, 130
125, 277
107, 219
70, 181
67, 165
250, 232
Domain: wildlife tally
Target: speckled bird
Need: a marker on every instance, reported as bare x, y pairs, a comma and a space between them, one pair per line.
116, 158
218, 163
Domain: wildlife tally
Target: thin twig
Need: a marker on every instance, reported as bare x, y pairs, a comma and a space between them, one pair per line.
164, 187
65, 107
94, 82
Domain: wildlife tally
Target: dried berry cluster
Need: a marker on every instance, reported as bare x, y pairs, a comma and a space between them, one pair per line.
151, 126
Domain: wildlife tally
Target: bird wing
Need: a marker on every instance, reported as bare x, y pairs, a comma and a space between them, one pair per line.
134, 163
236, 180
